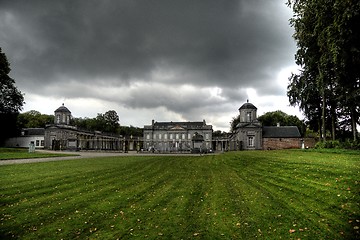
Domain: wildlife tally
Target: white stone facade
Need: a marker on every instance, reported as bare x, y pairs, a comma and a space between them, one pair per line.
177, 136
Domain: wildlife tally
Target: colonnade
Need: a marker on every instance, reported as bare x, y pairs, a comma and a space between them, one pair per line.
98, 142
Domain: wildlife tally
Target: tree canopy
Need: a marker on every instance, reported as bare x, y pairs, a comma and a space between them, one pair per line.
327, 88
279, 117
11, 100
34, 119
107, 122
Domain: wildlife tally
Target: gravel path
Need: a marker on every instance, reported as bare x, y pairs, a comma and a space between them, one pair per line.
90, 154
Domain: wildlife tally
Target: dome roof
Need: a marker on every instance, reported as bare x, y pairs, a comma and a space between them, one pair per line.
63, 109
247, 106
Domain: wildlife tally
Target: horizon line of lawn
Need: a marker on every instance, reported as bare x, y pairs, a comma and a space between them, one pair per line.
244, 195
23, 153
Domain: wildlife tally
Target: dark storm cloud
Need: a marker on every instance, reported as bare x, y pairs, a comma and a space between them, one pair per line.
217, 40
231, 44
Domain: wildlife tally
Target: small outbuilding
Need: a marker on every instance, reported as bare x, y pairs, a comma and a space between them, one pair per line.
34, 136
281, 137
251, 135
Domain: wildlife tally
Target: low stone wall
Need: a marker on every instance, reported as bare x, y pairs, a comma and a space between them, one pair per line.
281, 143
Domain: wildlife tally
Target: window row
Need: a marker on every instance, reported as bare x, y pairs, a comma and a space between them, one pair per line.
173, 136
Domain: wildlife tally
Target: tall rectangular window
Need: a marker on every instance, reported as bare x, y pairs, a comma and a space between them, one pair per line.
249, 116
251, 141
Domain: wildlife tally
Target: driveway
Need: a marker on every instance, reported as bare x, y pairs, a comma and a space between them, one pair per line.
86, 154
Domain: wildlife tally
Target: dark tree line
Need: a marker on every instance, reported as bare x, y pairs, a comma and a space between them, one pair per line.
34, 119
107, 122
327, 88
11, 100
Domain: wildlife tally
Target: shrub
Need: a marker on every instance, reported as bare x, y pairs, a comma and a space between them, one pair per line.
348, 144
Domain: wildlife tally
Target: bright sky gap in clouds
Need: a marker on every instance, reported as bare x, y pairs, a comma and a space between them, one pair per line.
166, 60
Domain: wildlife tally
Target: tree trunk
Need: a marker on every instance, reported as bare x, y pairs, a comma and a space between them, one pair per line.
323, 128
321, 84
353, 123
333, 114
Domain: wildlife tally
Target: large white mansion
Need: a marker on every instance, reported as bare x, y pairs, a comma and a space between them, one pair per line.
178, 136
163, 136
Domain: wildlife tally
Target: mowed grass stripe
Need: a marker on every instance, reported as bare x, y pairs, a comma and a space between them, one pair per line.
240, 195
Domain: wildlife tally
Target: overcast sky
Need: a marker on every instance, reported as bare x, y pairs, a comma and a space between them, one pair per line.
167, 60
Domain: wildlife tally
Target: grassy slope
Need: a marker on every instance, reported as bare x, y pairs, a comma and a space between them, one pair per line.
244, 195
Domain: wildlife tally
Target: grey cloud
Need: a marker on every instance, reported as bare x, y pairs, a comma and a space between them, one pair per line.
232, 44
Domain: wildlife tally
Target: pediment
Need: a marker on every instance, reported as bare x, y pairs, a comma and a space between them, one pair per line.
177, 128
249, 125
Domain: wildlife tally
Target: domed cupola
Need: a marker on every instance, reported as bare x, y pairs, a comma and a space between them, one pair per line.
62, 115
247, 112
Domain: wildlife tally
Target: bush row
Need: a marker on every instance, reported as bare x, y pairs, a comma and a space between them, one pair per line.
348, 144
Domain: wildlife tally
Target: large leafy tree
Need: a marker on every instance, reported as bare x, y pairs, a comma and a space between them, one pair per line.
111, 121
108, 122
279, 117
11, 100
327, 33
34, 119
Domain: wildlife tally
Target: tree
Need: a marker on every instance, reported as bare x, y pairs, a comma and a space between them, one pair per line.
11, 100
234, 122
34, 119
279, 117
112, 121
131, 131
108, 122
327, 33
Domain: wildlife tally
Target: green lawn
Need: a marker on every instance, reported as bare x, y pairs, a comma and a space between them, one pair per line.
21, 153
289, 194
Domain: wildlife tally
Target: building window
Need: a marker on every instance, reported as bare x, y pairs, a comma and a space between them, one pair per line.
183, 136
177, 136
251, 141
249, 116
148, 136
189, 136
165, 136
42, 143
171, 136
37, 143
207, 136
160, 136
